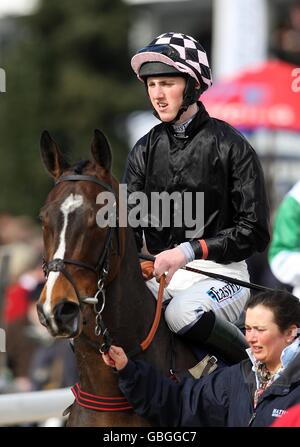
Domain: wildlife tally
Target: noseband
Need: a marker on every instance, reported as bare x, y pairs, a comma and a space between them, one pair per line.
102, 268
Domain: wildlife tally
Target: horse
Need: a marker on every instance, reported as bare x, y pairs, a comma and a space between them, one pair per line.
95, 292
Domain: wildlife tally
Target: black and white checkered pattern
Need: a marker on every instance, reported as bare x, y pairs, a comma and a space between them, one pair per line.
190, 52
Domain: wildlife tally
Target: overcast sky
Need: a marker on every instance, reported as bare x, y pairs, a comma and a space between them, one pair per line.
16, 6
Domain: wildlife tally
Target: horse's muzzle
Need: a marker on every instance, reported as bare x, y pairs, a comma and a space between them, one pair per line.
65, 320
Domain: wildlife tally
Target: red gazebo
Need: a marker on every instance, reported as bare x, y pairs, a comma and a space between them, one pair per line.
263, 96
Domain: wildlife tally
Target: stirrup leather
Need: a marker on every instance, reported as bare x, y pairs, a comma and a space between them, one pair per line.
206, 366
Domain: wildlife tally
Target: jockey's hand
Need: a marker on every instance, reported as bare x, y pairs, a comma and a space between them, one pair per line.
168, 262
116, 358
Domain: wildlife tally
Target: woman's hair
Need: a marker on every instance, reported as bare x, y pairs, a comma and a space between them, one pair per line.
284, 305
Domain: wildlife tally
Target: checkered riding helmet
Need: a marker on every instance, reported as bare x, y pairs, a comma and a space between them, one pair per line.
180, 53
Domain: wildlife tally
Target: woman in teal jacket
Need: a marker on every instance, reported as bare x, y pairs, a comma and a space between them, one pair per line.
252, 393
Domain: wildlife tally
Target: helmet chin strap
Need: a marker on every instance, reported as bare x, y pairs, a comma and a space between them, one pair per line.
179, 113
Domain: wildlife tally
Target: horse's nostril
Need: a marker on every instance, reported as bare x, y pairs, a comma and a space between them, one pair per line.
66, 310
67, 317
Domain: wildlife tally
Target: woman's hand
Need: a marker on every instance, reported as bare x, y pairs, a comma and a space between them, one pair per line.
115, 358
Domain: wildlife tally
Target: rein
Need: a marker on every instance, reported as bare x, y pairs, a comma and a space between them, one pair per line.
148, 340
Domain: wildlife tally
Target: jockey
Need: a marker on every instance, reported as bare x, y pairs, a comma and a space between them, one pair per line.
217, 181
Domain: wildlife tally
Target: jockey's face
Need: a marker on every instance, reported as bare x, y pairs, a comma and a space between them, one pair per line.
166, 95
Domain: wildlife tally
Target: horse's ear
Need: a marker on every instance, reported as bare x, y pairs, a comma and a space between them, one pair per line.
51, 155
101, 150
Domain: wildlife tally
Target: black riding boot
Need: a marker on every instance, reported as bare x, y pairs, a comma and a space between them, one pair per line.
220, 337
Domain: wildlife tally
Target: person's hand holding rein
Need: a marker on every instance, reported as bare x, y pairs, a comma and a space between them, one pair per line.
115, 358
168, 262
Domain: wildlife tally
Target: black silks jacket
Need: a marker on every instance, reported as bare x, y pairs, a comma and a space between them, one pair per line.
224, 398
214, 159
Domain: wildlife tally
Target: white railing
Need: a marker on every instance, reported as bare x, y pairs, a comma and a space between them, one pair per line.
36, 406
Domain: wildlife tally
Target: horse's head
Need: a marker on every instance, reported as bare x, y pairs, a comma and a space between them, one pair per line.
76, 248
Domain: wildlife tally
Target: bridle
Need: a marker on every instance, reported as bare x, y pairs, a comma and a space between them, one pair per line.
101, 270
100, 403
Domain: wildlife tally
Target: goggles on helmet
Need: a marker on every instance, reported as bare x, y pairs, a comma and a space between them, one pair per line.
180, 51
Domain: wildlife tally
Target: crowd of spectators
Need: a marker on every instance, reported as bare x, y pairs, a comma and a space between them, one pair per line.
33, 360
